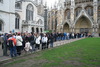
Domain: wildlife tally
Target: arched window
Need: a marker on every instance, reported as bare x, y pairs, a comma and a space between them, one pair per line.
78, 10
39, 21
68, 14
29, 12
89, 10
17, 20
1, 25
18, 6
99, 11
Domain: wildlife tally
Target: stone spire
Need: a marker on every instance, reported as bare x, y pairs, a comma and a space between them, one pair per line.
45, 4
36, 1
55, 5
41, 1
72, 3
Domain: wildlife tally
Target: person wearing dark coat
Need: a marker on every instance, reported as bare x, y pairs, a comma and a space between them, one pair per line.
32, 41
23, 37
48, 36
5, 38
51, 40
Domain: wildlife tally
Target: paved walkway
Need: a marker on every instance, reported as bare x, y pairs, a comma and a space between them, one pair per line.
3, 58
58, 43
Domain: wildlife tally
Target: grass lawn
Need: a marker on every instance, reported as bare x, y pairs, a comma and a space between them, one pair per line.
82, 53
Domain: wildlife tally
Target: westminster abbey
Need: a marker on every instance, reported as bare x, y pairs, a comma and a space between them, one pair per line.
76, 16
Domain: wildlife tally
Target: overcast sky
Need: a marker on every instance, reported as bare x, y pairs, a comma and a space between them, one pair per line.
50, 2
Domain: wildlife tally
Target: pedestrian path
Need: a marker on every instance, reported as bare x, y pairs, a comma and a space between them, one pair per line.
58, 43
3, 58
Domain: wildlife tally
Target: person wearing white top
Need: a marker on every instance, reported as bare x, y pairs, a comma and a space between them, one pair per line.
68, 36
44, 41
19, 40
73, 35
19, 43
38, 38
27, 46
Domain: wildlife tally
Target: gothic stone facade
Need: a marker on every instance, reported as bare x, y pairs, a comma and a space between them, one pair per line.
79, 16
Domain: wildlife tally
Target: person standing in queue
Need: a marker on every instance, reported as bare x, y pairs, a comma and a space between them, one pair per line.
51, 40
44, 41
12, 45
5, 44
19, 43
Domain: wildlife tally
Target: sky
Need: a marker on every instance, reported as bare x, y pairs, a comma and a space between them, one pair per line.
50, 2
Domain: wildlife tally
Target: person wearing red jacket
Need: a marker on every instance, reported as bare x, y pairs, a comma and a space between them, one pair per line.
12, 45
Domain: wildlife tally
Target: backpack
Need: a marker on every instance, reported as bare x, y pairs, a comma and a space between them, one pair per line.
10, 42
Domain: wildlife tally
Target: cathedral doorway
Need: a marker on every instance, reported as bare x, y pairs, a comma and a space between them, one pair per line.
66, 28
83, 25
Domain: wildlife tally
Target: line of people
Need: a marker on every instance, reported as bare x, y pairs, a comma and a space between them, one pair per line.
30, 42
25, 41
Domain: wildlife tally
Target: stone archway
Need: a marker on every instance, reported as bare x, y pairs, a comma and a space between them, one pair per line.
41, 30
32, 29
66, 28
83, 25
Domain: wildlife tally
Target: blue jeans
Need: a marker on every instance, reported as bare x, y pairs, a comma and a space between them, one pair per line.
51, 44
33, 47
13, 51
68, 38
